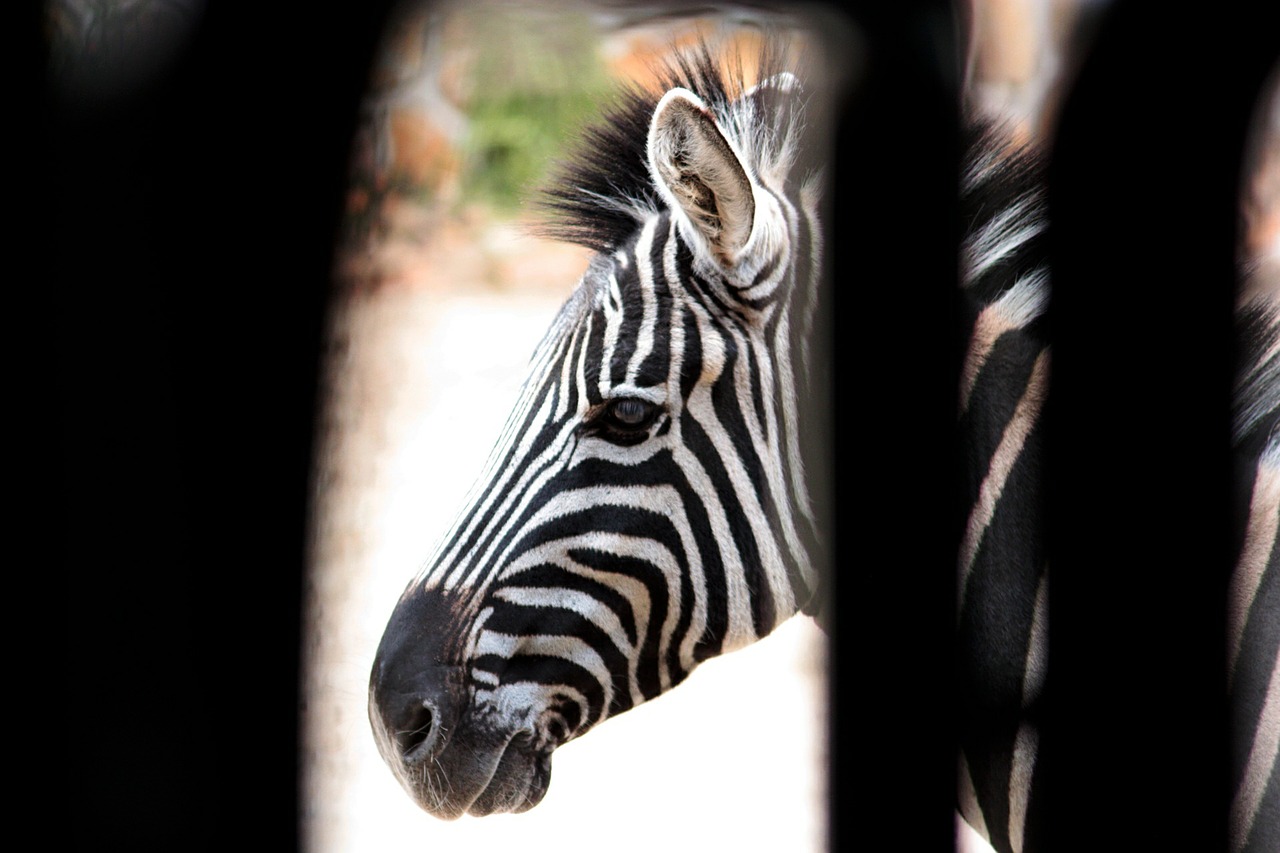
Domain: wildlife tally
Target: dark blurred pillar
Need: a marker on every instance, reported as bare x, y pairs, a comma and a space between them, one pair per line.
1144, 201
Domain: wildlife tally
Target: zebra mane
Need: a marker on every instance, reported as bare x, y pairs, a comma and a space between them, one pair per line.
601, 193
1005, 214
1256, 403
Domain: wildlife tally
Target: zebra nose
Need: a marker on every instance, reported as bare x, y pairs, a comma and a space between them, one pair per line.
416, 727
417, 694
414, 718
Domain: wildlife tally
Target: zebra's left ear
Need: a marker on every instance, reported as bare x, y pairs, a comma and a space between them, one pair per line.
699, 173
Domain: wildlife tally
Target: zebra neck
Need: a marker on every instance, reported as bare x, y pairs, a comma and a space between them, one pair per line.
801, 343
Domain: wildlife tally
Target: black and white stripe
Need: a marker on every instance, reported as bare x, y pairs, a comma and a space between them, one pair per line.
1253, 599
1002, 588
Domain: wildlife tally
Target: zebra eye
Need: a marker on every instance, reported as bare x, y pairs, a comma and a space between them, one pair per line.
628, 417
630, 413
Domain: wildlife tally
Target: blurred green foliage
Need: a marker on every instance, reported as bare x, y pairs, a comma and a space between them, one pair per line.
537, 79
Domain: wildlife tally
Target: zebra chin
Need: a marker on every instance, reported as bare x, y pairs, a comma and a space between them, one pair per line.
464, 779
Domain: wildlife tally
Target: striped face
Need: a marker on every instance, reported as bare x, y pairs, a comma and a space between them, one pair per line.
644, 508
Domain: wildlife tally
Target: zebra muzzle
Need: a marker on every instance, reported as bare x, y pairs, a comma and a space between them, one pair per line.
472, 762
452, 755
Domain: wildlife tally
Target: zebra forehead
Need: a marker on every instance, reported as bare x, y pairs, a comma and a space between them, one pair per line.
581, 302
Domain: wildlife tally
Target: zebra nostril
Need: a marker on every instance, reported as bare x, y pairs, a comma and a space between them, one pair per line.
417, 735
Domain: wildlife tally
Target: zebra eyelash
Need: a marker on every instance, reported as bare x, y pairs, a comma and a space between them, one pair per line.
623, 420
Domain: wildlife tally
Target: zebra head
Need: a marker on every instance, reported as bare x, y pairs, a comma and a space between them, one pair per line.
646, 505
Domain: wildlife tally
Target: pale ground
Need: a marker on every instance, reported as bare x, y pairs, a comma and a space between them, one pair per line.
731, 760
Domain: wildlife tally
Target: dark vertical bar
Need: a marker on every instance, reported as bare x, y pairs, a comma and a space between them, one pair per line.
189, 226
894, 259
1144, 184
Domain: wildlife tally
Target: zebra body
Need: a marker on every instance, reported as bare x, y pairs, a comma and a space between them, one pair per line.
649, 504
1002, 589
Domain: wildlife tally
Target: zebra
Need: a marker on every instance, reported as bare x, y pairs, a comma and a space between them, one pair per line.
651, 501
647, 505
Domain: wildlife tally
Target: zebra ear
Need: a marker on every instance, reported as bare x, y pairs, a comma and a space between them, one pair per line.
699, 173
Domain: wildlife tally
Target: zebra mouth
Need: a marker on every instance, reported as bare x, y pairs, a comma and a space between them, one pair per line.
519, 782
481, 778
